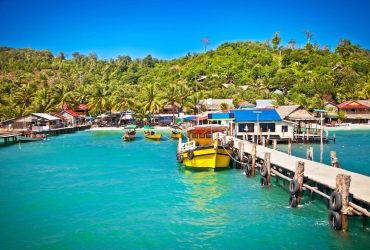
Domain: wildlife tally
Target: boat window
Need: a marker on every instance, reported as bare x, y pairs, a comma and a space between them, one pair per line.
201, 136
194, 136
209, 135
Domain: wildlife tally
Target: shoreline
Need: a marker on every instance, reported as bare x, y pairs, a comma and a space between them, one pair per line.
350, 127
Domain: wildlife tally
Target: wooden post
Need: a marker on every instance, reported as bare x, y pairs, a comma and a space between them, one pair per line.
345, 205
241, 150
253, 153
289, 147
299, 174
263, 141
261, 136
268, 165
274, 143
334, 160
334, 138
311, 150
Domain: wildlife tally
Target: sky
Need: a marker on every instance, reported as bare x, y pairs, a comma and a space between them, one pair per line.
172, 29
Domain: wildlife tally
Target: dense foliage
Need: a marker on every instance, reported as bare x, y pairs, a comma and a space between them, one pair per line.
38, 81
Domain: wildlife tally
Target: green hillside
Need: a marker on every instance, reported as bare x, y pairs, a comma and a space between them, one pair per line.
38, 81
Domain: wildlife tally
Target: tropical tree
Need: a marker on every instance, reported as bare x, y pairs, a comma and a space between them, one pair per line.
171, 96
23, 97
150, 97
276, 40
99, 99
44, 102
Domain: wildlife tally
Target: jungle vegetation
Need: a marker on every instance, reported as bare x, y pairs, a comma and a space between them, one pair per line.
38, 81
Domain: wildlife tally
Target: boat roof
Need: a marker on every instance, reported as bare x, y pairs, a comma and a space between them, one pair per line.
207, 129
131, 126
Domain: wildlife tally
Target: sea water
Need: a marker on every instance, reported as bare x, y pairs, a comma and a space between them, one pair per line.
91, 190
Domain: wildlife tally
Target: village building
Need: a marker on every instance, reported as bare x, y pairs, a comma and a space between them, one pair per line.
72, 118
356, 111
255, 123
32, 122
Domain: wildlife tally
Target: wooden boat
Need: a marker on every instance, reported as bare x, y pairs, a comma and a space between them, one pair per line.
151, 134
175, 132
204, 149
31, 137
130, 133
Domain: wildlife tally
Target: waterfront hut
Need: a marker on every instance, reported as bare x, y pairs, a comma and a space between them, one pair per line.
257, 122
33, 121
73, 119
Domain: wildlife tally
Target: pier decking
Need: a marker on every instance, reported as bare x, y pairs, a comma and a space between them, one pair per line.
317, 172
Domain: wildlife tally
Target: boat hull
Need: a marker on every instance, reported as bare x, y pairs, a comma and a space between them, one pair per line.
29, 139
175, 135
155, 137
207, 158
129, 138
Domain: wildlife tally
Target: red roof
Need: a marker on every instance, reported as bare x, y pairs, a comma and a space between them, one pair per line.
352, 105
72, 113
81, 107
57, 115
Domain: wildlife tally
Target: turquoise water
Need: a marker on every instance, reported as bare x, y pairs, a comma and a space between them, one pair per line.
91, 190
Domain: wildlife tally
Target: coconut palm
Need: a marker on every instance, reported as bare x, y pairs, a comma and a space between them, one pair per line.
151, 102
171, 96
44, 102
99, 99
62, 95
122, 99
23, 97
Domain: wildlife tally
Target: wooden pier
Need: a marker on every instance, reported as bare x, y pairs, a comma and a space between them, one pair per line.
11, 136
318, 178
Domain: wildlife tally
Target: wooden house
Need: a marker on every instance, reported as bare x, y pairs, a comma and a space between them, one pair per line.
356, 111
72, 118
33, 122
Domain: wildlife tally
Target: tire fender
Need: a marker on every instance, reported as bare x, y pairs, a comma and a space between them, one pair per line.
190, 154
335, 220
335, 201
294, 186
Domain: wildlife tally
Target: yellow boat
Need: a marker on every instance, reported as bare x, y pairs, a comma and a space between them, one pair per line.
151, 134
175, 133
204, 151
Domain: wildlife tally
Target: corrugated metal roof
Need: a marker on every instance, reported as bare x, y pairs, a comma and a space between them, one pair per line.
250, 115
46, 116
264, 103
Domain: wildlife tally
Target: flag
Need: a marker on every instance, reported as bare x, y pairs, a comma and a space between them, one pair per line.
198, 106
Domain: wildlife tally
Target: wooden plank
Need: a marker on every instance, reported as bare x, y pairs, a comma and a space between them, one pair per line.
320, 173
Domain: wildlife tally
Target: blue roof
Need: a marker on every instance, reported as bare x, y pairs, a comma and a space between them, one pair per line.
250, 115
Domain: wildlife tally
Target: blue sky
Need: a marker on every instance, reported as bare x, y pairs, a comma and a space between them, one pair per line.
171, 29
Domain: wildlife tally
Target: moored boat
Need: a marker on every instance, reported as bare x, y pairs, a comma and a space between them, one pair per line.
175, 132
204, 149
151, 134
130, 133
28, 137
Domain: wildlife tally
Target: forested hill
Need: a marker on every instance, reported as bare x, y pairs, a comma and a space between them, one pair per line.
38, 81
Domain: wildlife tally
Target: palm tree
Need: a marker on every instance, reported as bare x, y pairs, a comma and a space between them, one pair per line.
151, 103
44, 102
23, 97
99, 98
122, 99
171, 96
62, 95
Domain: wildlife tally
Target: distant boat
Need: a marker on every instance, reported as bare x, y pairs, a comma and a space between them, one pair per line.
130, 133
31, 137
175, 132
203, 151
151, 134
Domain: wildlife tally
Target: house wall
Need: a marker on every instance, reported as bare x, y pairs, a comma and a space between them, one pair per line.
254, 128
